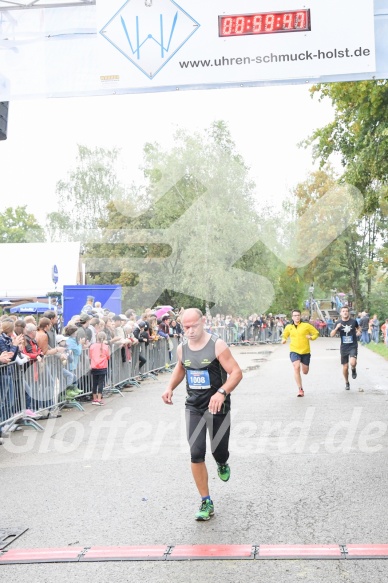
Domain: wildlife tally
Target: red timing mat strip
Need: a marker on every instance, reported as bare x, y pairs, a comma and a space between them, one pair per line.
150, 553
367, 551
193, 552
299, 551
54, 555
212, 552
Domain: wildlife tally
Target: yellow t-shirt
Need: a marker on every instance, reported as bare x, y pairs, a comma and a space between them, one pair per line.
299, 343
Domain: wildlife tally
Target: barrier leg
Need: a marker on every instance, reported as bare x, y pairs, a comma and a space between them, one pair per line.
112, 390
30, 422
133, 382
71, 404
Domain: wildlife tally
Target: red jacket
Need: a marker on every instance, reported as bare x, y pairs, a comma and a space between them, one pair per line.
99, 355
31, 348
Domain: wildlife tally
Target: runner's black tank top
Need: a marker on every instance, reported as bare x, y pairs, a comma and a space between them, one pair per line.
204, 375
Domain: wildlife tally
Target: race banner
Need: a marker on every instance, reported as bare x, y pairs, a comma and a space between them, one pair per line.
154, 45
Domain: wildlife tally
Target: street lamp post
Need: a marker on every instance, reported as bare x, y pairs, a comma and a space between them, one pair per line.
311, 292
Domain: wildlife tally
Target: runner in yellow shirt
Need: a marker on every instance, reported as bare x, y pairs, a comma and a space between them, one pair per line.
300, 333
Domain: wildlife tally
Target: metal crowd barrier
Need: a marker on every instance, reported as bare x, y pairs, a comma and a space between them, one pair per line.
323, 331
257, 335
39, 389
12, 398
233, 335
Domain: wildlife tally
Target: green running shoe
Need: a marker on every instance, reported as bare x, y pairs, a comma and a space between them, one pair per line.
71, 394
223, 471
74, 389
206, 510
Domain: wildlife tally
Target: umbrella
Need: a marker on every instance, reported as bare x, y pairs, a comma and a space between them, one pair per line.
31, 308
163, 310
341, 294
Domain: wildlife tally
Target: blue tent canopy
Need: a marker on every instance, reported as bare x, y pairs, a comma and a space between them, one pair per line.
32, 308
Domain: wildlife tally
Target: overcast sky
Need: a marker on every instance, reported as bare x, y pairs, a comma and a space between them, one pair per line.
265, 122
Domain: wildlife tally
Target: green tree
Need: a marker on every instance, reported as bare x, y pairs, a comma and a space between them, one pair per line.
353, 259
19, 226
379, 297
82, 199
358, 133
290, 291
288, 282
197, 199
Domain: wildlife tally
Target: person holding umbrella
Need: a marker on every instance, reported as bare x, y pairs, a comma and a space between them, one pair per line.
162, 310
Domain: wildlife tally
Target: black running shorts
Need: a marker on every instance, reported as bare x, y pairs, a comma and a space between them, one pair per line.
218, 426
348, 353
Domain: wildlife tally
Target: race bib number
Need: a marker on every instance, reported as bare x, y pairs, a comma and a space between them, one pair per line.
347, 339
198, 379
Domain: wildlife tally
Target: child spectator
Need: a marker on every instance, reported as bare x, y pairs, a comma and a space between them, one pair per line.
74, 351
99, 356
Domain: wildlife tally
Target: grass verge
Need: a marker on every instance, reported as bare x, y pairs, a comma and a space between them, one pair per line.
380, 348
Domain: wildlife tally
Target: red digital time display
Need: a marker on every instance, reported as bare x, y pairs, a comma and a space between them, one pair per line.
264, 23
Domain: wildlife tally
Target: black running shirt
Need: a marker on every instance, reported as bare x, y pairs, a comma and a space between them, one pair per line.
348, 334
204, 375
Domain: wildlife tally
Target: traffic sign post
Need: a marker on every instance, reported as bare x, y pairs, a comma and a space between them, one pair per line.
54, 275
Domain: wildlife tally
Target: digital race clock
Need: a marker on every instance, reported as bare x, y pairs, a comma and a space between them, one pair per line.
264, 23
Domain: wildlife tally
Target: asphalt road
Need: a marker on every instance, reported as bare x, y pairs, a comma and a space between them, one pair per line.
308, 471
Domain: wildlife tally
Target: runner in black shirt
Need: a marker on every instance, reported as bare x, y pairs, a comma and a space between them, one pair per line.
349, 330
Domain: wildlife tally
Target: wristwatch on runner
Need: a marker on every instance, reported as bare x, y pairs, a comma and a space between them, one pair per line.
222, 391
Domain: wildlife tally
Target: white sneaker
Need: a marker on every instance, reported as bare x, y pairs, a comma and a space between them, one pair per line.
8, 428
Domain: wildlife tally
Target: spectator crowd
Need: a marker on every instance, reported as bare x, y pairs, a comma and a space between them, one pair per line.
91, 337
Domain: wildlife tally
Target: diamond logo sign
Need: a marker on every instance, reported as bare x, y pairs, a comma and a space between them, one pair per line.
149, 32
